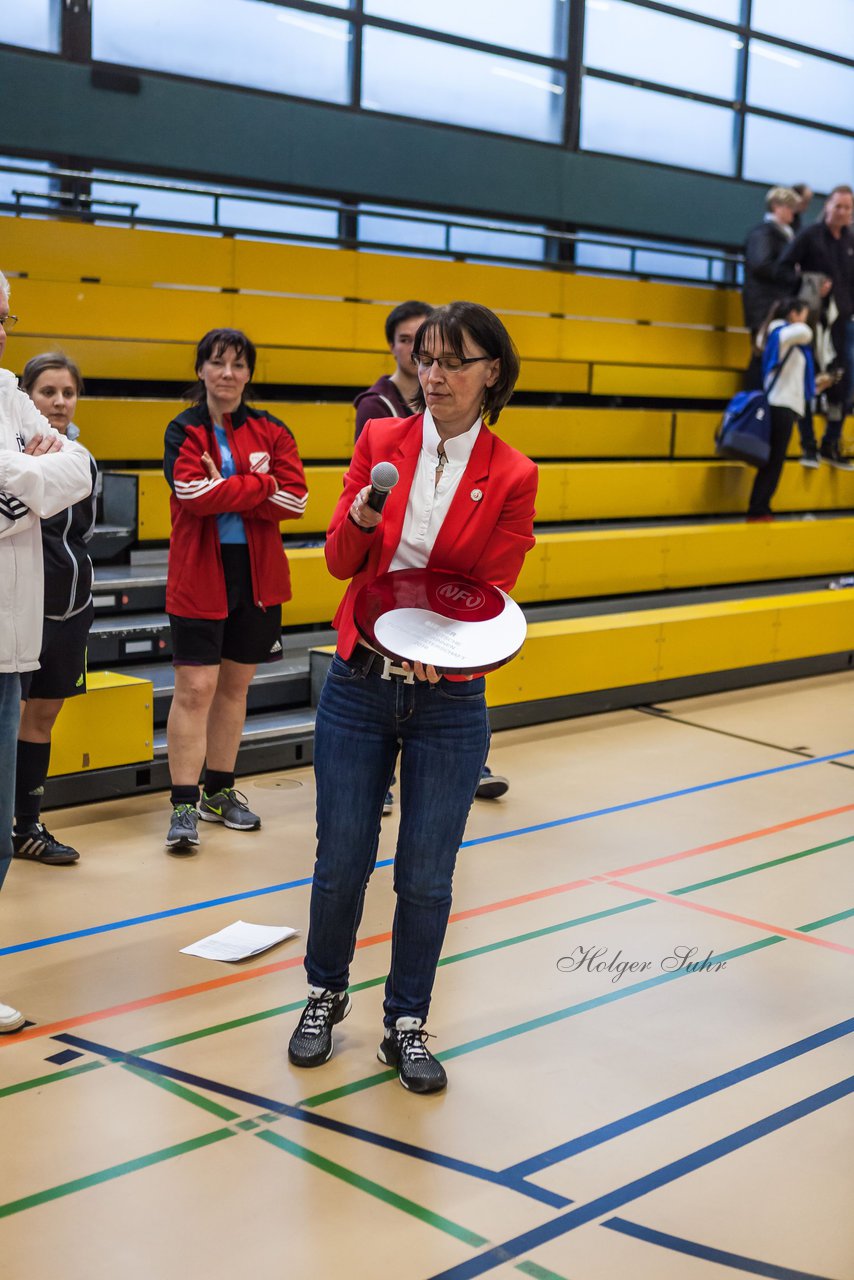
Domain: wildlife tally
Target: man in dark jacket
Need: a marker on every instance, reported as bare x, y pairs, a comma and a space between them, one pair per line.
391, 396
764, 283
827, 247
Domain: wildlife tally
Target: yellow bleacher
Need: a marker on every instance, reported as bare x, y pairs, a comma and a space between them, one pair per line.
132, 429
132, 304
611, 562
608, 651
575, 492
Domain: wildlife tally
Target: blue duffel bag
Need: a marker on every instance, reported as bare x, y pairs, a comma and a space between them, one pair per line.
744, 434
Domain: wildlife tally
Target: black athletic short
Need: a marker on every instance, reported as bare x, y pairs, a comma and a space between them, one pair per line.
62, 669
249, 634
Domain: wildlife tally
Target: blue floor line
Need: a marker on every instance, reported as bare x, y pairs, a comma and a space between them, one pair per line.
558, 1154
753, 1266
291, 1112
131, 921
584, 1213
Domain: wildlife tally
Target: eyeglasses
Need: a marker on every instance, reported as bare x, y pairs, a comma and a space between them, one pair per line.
8, 323
448, 364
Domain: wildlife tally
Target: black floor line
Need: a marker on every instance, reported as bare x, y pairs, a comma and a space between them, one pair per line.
727, 733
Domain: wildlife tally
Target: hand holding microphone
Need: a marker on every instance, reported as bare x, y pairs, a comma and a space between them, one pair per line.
369, 502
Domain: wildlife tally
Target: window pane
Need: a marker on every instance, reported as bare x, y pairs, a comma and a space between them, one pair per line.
800, 85
429, 81
821, 24
286, 219
649, 258
242, 42
778, 152
724, 10
31, 23
655, 126
479, 242
539, 26
376, 229
654, 46
172, 206
29, 184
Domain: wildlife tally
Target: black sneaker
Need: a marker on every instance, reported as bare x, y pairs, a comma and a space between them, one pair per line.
311, 1043
388, 804
491, 785
182, 836
404, 1048
38, 845
230, 807
810, 459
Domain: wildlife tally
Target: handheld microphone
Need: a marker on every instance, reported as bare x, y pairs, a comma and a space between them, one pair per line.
384, 476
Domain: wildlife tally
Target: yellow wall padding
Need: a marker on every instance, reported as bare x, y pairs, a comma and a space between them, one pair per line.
580, 491
111, 724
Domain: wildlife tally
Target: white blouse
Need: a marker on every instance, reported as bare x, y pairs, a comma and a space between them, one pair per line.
430, 502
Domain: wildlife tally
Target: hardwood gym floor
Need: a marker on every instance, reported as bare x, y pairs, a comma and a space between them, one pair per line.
645, 1122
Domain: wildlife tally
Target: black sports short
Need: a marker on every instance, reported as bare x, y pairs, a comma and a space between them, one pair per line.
249, 634
62, 670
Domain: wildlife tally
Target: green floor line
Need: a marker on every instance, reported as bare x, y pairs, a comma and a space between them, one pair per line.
37, 1083
115, 1171
761, 866
374, 1189
293, 1007
181, 1091
549, 1019
537, 1272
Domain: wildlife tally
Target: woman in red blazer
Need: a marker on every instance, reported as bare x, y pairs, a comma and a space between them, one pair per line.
465, 503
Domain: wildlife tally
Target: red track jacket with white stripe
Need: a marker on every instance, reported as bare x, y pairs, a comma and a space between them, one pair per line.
268, 487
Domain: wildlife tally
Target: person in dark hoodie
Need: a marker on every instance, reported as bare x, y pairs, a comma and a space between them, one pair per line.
53, 383
396, 396
392, 396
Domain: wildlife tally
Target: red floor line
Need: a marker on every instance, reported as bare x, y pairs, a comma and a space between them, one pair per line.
213, 984
776, 929
725, 844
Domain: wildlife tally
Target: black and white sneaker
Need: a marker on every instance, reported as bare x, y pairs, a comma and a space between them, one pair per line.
388, 804
491, 785
835, 458
311, 1043
229, 807
404, 1048
38, 845
183, 835
810, 459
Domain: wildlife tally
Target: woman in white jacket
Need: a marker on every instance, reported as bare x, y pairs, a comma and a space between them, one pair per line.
40, 474
787, 340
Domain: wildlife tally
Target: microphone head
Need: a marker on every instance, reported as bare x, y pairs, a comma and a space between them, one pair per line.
384, 476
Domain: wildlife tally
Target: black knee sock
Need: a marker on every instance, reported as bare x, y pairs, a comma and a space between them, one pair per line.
184, 795
30, 773
216, 781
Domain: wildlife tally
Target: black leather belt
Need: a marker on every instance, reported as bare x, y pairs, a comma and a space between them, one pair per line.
368, 661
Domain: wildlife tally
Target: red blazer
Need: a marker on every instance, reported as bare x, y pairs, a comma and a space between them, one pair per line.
487, 537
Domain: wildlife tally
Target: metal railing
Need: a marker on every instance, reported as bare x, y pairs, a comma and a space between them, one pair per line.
69, 196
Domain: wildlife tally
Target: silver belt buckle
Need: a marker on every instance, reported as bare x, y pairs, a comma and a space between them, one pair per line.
389, 670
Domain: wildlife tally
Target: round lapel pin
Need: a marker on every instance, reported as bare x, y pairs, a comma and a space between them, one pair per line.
476, 495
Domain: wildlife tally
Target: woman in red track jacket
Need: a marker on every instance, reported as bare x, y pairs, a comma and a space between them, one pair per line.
235, 473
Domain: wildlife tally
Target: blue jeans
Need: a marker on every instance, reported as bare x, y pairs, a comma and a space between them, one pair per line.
442, 732
10, 710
